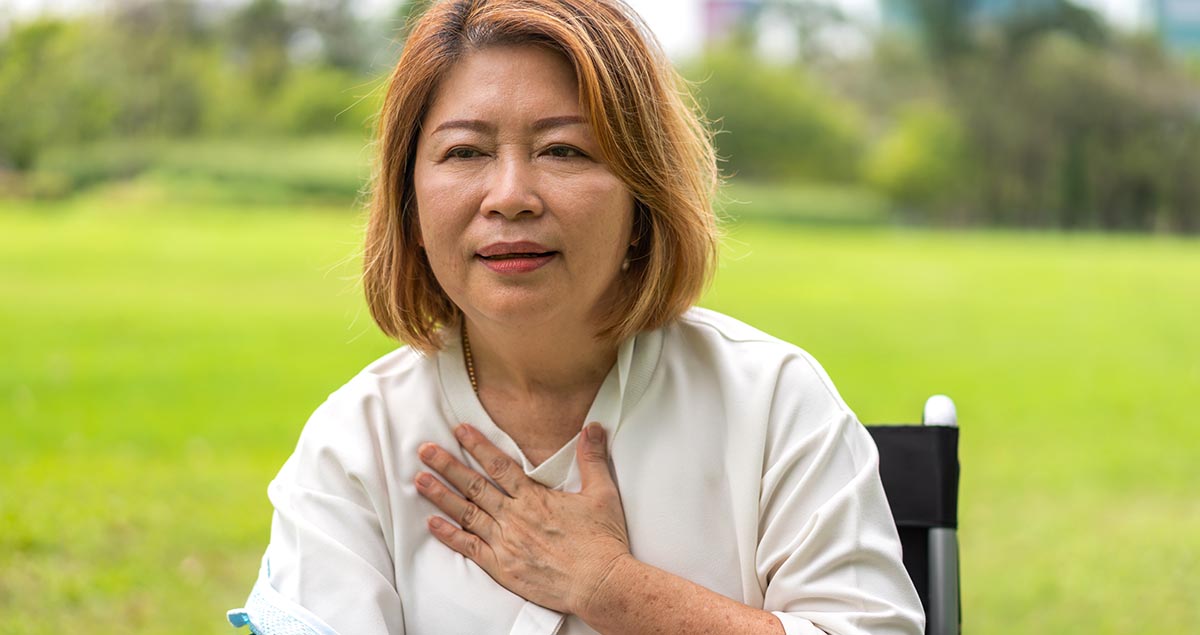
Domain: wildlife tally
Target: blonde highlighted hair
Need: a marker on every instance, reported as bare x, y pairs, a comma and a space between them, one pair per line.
645, 121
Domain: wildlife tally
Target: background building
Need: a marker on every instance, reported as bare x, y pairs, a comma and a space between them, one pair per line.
1178, 23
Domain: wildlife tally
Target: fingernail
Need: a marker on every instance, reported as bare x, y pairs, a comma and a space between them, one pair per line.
427, 451
424, 480
595, 433
436, 523
462, 431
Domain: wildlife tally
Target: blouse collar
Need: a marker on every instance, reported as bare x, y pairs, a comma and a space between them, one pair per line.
623, 387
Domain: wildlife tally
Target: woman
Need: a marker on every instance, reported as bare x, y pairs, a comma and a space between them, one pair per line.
540, 227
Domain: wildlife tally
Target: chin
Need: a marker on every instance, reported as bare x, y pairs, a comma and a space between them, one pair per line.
517, 308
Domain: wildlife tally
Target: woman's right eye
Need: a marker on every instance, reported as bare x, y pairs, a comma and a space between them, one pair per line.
462, 153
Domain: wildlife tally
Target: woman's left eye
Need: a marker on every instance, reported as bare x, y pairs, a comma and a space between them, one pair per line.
462, 153
564, 152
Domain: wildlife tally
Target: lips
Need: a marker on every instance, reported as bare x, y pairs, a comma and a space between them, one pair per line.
511, 256
521, 249
515, 257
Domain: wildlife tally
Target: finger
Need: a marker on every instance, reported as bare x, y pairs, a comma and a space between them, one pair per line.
463, 542
498, 465
467, 514
470, 483
592, 455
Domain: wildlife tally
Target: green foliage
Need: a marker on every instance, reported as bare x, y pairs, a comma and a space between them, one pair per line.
1042, 119
310, 100
943, 24
325, 100
1083, 137
1055, 17
951, 30
330, 168
1060, 122
155, 70
258, 37
775, 122
66, 169
924, 163
156, 53
50, 92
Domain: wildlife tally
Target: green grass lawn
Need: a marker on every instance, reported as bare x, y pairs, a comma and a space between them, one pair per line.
159, 357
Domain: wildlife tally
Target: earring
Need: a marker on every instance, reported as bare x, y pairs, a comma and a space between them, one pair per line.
625, 264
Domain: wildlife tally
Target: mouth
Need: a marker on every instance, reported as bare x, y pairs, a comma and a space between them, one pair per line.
516, 255
515, 258
514, 249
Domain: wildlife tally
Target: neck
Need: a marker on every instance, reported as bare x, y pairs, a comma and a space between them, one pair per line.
548, 362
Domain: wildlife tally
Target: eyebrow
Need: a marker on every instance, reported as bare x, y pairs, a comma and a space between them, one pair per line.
478, 125
465, 124
557, 122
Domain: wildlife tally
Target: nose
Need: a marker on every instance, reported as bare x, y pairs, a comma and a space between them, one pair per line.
512, 191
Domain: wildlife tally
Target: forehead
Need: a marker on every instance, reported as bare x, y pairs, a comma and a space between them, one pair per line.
504, 83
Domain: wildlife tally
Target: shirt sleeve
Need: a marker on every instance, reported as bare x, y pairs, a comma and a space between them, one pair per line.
329, 554
829, 553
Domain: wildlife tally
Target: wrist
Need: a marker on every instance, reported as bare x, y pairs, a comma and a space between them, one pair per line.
603, 590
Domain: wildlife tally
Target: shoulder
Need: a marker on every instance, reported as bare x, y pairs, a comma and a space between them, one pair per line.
358, 422
780, 394
730, 335
366, 397
738, 349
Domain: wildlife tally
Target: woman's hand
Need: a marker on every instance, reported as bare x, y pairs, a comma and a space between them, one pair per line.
551, 548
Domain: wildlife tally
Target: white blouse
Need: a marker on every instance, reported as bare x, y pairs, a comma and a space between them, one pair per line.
740, 468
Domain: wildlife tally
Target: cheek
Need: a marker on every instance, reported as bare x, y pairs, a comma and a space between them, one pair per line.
433, 236
614, 220
436, 239
439, 208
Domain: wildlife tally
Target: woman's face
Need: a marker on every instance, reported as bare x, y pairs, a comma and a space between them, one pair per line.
521, 220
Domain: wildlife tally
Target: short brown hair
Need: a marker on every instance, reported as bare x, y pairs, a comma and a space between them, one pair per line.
647, 126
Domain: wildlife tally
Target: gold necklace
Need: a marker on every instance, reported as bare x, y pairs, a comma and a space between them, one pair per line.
468, 358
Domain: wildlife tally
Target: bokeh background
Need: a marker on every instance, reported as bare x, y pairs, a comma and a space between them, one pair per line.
993, 199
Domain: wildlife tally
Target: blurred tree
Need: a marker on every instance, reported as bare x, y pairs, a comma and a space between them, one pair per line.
924, 164
1073, 128
50, 90
259, 34
340, 31
1064, 125
1063, 134
156, 51
774, 122
323, 100
949, 29
1024, 28
944, 27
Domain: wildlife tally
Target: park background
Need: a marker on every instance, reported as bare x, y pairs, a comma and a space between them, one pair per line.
997, 200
